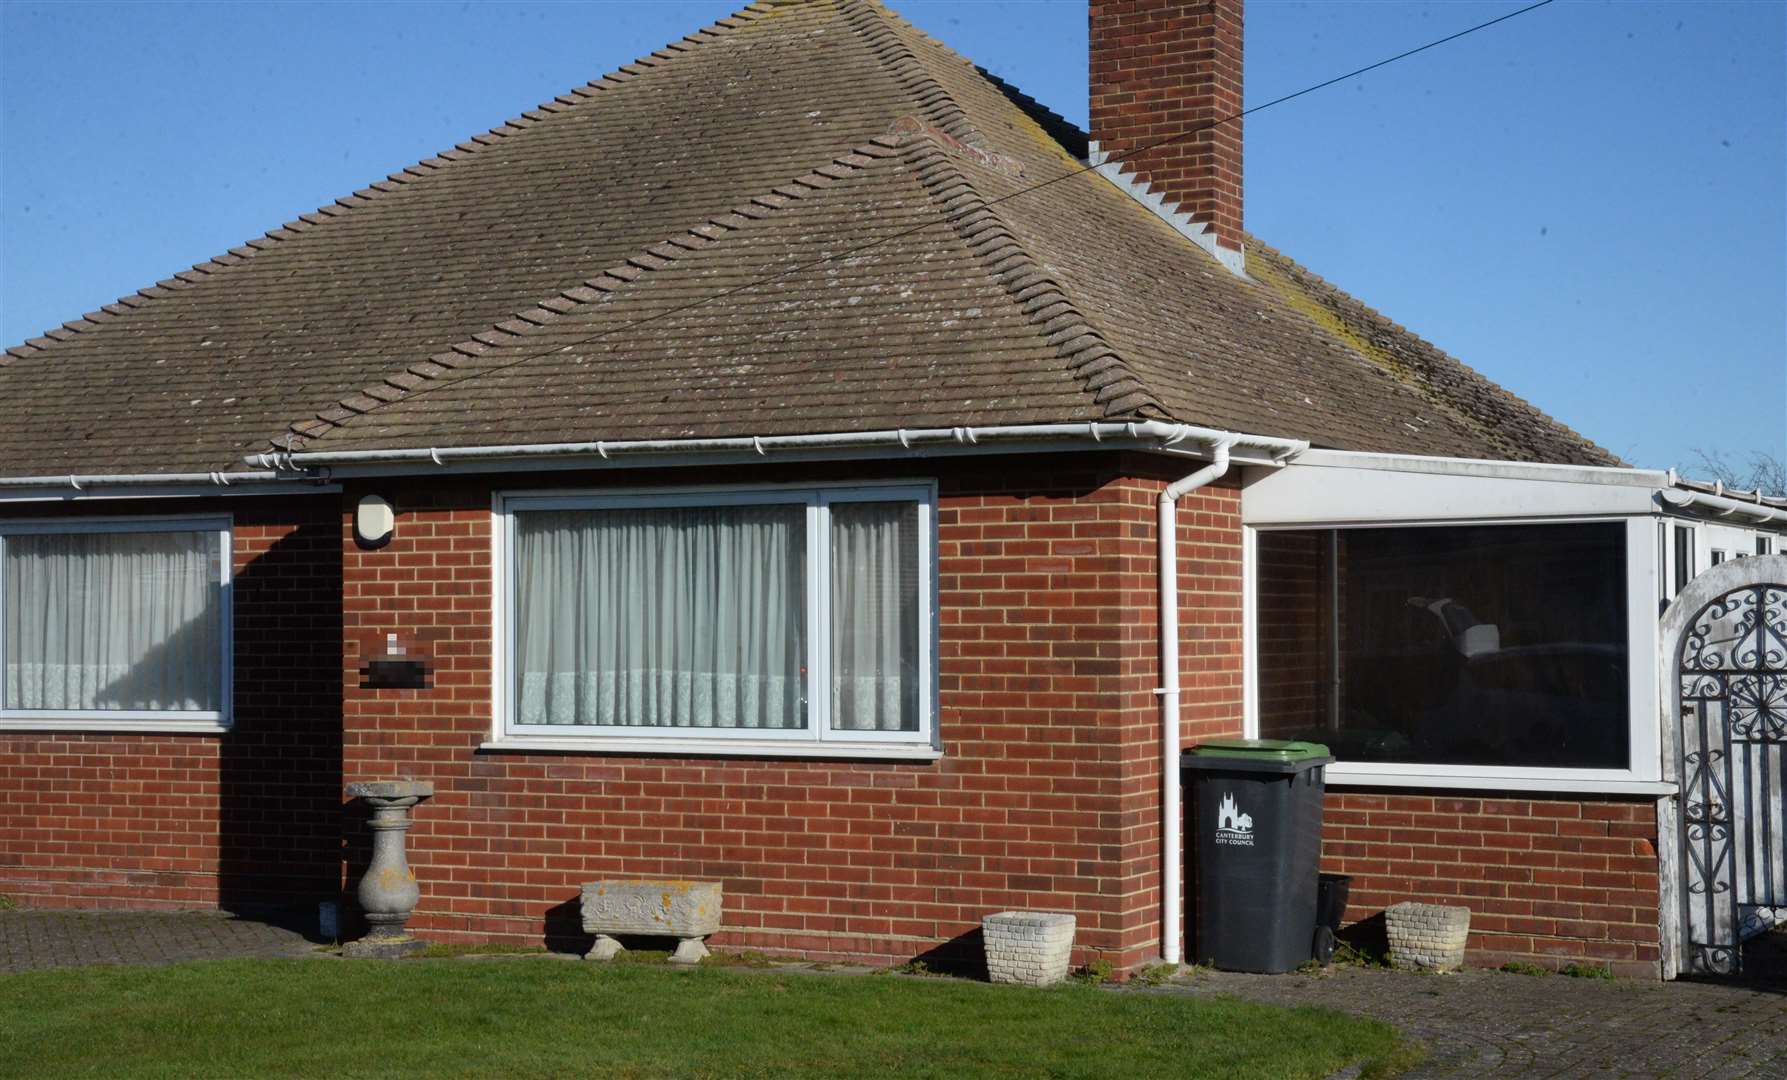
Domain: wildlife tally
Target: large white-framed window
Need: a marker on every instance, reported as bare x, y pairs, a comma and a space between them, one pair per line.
789, 620
1491, 654
120, 624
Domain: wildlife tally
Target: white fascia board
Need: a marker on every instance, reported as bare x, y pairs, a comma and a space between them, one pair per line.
595, 463
1336, 494
1154, 436
90, 492
1484, 467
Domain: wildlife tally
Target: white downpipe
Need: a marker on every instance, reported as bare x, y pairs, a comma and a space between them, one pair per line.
1171, 868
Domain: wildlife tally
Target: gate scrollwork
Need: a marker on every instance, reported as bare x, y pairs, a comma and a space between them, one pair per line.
1731, 749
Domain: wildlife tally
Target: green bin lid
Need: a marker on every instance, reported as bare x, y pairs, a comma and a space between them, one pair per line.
1261, 749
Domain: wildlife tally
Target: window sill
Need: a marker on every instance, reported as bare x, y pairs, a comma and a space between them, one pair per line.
757, 748
110, 726
1362, 776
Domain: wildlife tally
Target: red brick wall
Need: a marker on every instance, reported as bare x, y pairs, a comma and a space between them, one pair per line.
249, 817
1210, 622
1046, 796
1548, 880
1295, 598
1164, 68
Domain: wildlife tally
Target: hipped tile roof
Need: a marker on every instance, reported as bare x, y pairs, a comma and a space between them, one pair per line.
808, 217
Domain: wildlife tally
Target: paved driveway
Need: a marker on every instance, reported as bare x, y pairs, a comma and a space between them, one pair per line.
30, 940
1488, 1023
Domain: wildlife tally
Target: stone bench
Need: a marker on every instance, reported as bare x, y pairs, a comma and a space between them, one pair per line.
651, 907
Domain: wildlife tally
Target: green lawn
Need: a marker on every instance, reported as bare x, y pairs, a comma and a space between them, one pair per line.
519, 1017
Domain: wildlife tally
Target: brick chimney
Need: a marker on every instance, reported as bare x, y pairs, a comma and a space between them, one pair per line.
1160, 68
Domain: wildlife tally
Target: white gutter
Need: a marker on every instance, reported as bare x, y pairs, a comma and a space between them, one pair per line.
1171, 858
1725, 507
84, 487
1153, 434
83, 481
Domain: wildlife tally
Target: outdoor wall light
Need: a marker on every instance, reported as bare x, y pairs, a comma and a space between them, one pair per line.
374, 521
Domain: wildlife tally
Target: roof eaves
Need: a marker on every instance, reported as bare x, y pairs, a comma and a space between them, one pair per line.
437, 370
1113, 385
368, 195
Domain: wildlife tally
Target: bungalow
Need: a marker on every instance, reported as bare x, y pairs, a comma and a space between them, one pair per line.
780, 484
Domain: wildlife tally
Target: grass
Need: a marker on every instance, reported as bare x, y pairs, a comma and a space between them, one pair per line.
1096, 973
437, 950
1586, 971
1522, 967
521, 1018
1347, 954
1160, 974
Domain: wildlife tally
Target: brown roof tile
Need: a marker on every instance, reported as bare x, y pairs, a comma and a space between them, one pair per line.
727, 238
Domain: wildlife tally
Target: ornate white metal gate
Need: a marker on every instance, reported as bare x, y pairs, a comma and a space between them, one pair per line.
1725, 640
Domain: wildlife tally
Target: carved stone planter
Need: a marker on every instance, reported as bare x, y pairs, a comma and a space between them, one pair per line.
687, 910
1030, 948
388, 891
1427, 937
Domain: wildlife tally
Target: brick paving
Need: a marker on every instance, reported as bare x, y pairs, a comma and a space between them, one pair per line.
32, 940
1490, 1023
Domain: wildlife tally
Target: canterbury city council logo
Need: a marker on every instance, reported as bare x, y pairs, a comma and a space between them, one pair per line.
1232, 826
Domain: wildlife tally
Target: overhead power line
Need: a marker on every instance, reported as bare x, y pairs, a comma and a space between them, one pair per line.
442, 384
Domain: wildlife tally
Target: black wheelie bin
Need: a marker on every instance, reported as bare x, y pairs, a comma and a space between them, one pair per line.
1256, 811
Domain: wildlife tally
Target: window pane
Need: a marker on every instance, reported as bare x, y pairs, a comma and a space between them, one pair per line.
1684, 557
874, 616
672, 617
110, 621
1477, 645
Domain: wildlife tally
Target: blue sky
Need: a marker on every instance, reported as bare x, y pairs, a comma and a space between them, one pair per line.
1588, 203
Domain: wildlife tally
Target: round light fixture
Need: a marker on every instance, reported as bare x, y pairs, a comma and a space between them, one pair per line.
374, 521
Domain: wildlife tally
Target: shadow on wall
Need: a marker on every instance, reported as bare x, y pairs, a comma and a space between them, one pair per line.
963, 956
564, 928
280, 785
1369, 937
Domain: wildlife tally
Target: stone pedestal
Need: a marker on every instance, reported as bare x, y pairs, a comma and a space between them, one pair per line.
1030, 948
1427, 937
686, 910
388, 891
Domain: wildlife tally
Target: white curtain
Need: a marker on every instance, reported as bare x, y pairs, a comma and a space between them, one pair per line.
110, 621
874, 613
663, 617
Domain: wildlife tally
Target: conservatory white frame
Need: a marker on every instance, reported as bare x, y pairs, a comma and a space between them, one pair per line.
1336, 490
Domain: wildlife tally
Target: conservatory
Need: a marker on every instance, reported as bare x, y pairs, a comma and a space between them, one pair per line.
1488, 625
